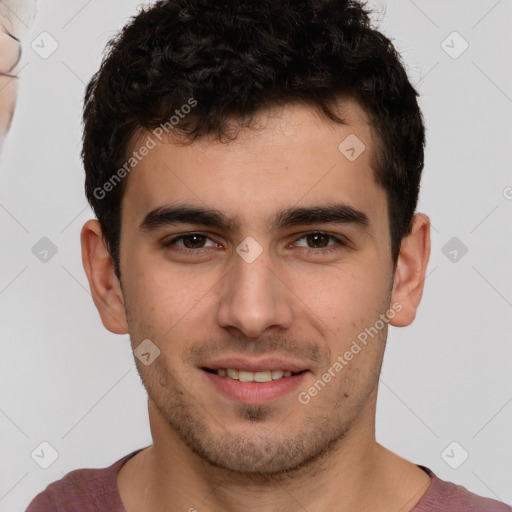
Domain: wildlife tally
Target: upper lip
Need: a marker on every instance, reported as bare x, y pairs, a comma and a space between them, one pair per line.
259, 365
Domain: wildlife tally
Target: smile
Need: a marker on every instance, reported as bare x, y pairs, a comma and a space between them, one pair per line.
246, 376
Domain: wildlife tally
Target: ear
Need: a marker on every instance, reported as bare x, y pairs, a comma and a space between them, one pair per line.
105, 287
410, 270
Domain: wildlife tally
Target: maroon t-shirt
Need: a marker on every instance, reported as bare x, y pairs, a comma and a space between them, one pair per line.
95, 490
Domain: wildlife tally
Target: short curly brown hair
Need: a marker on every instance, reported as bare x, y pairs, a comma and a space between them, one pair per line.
236, 58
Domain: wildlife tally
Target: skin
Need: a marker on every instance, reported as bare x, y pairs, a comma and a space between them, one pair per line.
9, 52
15, 18
296, 300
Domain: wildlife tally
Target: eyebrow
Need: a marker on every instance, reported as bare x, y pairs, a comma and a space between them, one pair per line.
338, 213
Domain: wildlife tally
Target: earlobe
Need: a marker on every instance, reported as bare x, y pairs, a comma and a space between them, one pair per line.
105, 287
411, 270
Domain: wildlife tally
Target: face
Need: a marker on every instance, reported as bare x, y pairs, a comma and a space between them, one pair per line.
9, 52
303, 290
267, 254
14, 19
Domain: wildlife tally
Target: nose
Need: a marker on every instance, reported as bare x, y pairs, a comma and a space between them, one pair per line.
254, 297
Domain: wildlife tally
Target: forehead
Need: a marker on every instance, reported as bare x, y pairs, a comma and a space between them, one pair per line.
289, 156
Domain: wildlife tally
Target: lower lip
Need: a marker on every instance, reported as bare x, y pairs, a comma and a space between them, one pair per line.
255, 392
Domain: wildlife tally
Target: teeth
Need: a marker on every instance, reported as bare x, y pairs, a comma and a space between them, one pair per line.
262, 376
232, 374
245, 376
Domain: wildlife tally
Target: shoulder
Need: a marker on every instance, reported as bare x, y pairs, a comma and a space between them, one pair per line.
83, 490
448, 497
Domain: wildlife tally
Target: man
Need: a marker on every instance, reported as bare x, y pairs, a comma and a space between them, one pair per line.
15, 17
255, 169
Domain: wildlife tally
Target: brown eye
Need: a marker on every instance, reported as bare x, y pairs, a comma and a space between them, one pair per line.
319, 243
318, 240
193, 241
189, 242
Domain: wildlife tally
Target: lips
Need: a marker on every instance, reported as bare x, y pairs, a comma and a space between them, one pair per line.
254, 381
254, 391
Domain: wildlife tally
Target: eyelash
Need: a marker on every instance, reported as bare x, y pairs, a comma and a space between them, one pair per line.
340, 243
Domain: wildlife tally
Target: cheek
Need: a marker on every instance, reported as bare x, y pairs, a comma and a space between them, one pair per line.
350, 305
162, 300
348, 295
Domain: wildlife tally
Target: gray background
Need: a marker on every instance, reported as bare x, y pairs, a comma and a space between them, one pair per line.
66, 381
